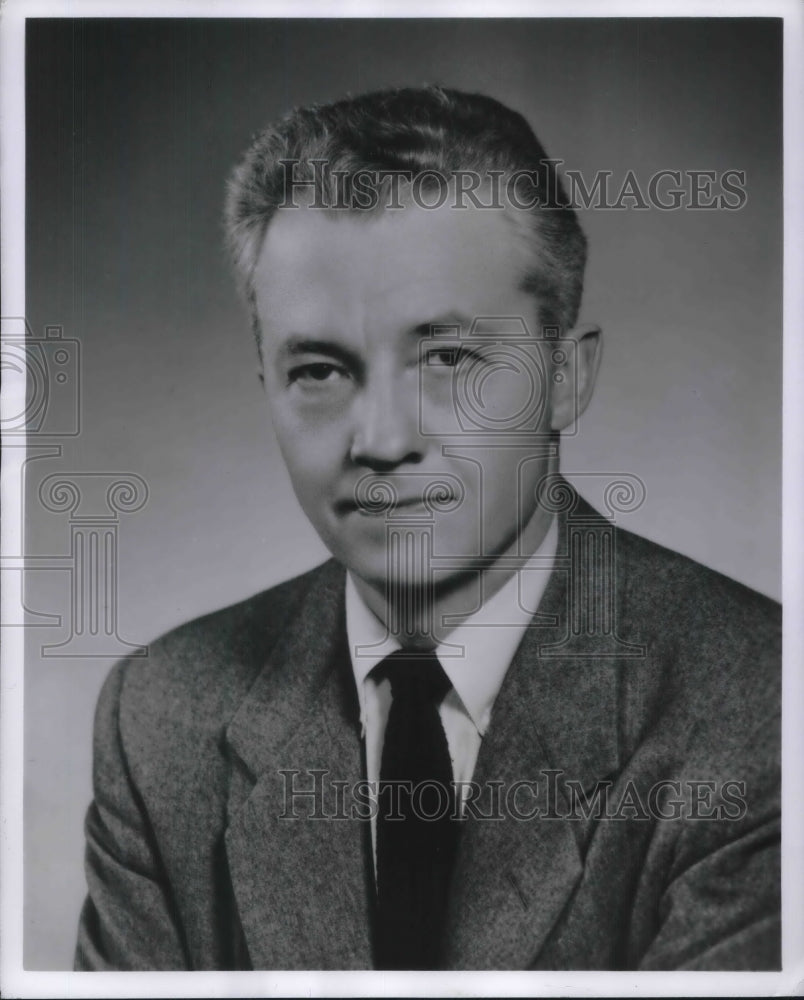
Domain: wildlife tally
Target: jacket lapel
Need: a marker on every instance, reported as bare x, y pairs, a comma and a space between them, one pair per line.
302, 883
554, 713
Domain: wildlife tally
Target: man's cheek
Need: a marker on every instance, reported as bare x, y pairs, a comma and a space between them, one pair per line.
306, 424
313, 464
304, 443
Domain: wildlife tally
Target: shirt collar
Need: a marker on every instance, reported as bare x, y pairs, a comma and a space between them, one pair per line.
476, 655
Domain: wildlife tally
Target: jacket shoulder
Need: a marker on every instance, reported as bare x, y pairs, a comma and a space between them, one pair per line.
196, 674
678, 592
712, 645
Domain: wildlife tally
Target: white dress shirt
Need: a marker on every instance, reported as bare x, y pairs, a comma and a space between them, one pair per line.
475, 656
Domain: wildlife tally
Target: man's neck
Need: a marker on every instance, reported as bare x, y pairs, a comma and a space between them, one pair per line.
416, 617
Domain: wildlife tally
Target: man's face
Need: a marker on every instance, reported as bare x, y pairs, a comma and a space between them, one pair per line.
362, 394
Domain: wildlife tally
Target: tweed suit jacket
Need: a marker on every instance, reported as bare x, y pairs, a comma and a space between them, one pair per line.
642, 671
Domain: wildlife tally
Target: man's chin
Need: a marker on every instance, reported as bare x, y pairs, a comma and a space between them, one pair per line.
372, 554
389, 578
381, 578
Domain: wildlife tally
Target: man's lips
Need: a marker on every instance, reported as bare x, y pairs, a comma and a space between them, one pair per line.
375, 496
349, 505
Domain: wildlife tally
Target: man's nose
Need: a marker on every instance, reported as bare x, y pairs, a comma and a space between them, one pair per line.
386, 432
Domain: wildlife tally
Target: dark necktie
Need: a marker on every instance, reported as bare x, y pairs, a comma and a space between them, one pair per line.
416, 828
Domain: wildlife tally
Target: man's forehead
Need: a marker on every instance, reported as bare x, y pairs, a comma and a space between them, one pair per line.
411, 260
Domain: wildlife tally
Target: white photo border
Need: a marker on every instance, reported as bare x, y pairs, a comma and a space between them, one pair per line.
14, 980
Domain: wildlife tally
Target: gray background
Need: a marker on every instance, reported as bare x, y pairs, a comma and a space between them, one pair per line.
132, 128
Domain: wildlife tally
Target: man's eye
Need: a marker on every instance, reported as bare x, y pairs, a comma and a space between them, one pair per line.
448, 357
315, 372
443, 357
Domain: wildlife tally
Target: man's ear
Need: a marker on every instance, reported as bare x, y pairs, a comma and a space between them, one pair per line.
573, 378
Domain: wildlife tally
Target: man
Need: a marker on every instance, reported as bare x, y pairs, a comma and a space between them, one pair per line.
496, 731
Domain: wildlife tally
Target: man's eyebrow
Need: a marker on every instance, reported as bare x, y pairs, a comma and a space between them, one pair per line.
449, 319
296, 345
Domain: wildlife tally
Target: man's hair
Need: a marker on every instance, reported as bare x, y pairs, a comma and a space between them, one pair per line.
415, 131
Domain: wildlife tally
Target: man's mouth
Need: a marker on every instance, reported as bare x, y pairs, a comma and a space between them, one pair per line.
381, 507
414, 493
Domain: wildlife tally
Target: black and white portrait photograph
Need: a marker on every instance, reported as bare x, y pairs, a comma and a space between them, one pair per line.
401, 551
